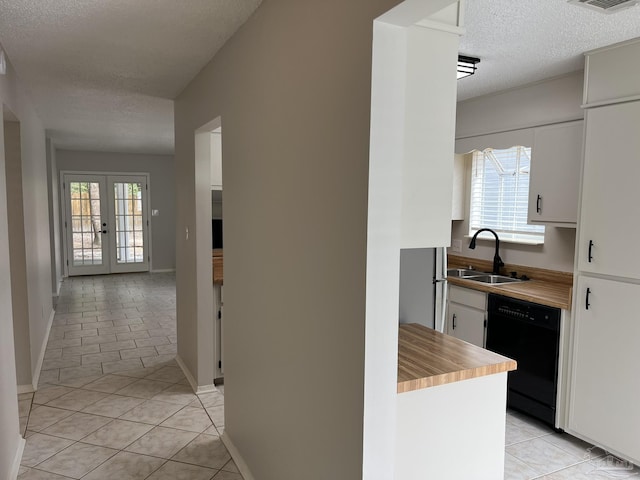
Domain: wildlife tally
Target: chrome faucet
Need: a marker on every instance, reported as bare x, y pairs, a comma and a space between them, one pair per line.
497, 261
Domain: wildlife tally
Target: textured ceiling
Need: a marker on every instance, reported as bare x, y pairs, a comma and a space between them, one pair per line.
103, 73
523, 41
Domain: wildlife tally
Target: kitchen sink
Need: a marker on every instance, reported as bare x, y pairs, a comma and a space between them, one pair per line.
462, 272
493, 279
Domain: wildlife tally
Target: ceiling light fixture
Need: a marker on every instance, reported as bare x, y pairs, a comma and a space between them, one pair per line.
466, 66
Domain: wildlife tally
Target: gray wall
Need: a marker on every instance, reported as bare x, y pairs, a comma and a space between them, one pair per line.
162, 185
9, 427
293, 90
17, 260
54, 219
553, 101
17, 106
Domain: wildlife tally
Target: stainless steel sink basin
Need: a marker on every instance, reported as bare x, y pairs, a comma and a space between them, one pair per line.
462, 272
493, 279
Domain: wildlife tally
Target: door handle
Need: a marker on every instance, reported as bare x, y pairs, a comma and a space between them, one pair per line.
538, 206
454, 321
586, 301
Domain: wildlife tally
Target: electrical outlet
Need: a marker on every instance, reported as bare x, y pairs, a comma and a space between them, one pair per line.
456, 246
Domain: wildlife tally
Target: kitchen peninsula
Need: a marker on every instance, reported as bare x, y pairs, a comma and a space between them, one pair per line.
450, 407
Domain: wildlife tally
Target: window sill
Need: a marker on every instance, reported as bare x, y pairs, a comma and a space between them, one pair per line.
507, 240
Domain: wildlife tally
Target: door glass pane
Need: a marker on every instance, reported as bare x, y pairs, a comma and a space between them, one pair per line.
86, 223
129, 233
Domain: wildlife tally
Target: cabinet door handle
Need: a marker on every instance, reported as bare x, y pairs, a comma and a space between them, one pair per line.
454, 321
586, 301
538, 206
590, 257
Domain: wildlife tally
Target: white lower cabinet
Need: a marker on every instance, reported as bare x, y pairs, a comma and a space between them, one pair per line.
605, 387
466, 315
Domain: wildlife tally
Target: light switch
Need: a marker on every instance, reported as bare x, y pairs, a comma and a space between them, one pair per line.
456, 246
155, 213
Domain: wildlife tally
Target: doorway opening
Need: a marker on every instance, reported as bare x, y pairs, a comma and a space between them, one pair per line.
105, 223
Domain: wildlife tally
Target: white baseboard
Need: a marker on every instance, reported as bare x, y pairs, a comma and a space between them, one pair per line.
206, 389
25, 388
43, 348
17, 459
198, 389
163, 270
237, 458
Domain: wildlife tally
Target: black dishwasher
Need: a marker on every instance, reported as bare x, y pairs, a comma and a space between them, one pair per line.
530, 334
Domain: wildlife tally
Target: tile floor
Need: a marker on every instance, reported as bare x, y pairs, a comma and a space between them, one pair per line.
112, 402
535, 451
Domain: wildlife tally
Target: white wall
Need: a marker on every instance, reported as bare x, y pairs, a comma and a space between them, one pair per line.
553, 101
15, 100
162, 185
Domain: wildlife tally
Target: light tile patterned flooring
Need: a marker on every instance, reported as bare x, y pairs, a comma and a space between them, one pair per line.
535, 451
112, 402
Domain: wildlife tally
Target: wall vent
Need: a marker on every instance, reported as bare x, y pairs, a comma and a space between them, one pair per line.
605, 6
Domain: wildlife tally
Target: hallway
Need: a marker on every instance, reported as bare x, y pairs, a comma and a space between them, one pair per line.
111, 400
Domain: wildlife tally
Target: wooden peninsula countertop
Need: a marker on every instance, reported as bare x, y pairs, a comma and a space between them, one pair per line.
427, 358
218, 266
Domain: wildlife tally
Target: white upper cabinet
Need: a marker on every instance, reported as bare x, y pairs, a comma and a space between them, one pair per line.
555, 174
612, 73
458, 204
610, 191
428, 138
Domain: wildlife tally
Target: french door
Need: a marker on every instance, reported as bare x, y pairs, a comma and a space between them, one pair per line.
106, 223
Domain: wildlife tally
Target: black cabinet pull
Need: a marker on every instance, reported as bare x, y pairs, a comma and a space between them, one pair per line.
454, 321
590, 257
586, 302
538, 207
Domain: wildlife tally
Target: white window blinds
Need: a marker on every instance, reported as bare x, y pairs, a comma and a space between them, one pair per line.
500, 194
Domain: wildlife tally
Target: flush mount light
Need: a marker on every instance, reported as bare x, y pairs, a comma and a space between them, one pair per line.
466, 66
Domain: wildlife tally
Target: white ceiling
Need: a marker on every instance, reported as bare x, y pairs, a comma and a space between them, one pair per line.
103, 73
524, 41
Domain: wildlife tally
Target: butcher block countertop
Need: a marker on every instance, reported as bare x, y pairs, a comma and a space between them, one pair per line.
218, 267
427, 358
536, 291
546, 287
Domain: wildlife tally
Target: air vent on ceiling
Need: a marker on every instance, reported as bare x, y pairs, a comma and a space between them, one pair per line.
605, 6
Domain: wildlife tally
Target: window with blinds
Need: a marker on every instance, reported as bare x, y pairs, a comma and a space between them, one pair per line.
500, 195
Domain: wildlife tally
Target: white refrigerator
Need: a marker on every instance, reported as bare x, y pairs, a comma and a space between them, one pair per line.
423, 286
